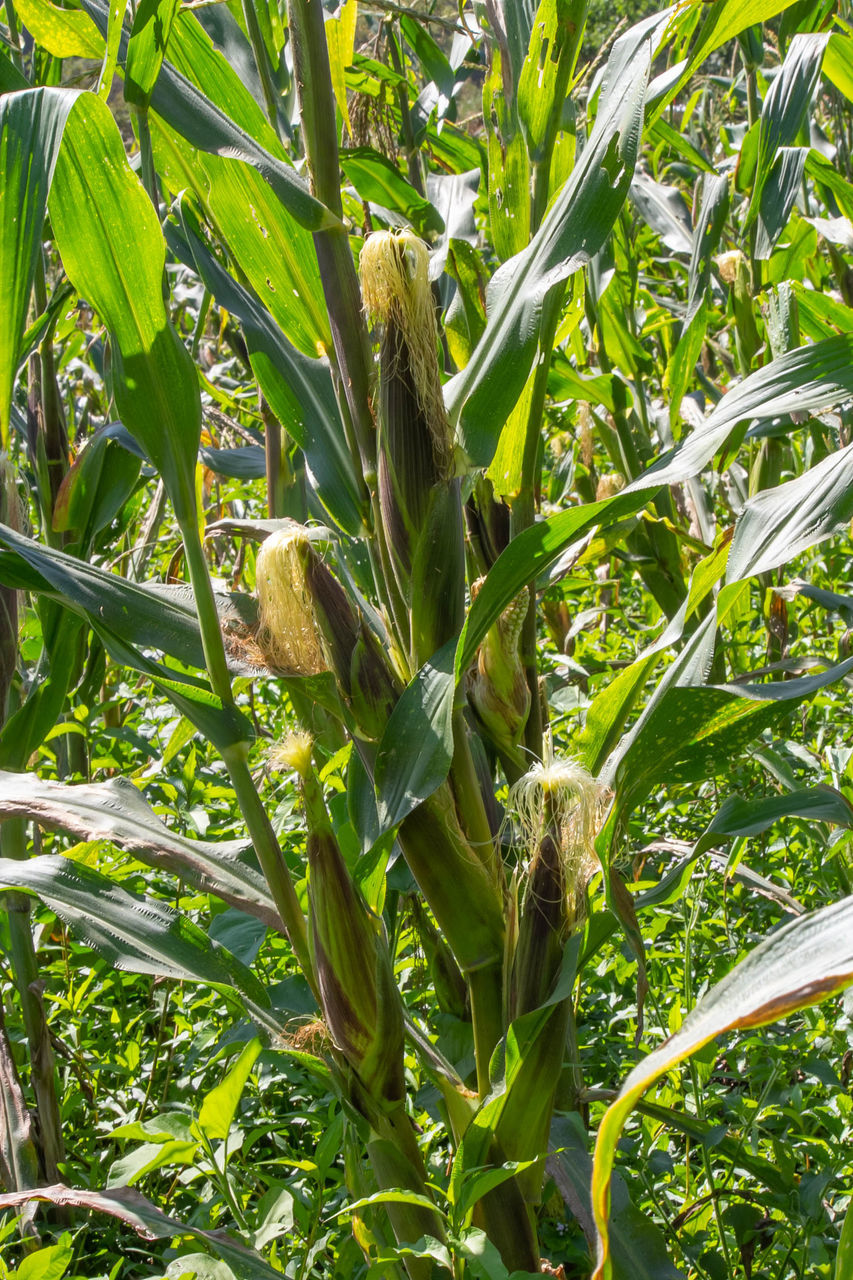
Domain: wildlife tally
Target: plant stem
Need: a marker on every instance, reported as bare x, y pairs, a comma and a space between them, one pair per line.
334, 256
255, 815
259, 51
13, 843
523, 507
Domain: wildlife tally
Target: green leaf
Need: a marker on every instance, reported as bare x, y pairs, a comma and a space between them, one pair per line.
838, 63
220, 1105
554, 39
340, 37
155, 616
376, 179
799, 965
109, 237
390, 1197
417, 746
31, 126
801, 381
131, 932
775, 526
298, 389
785, 108
48, 1263
739, 816
638, 1246
693, 732
191, 114
116, 811
132, 1208
65, 33
481, 397
146, 48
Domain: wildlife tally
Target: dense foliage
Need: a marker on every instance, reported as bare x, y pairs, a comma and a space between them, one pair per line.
425, 607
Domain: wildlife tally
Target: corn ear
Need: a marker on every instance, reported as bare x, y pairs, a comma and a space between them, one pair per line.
498, 688
360, 1000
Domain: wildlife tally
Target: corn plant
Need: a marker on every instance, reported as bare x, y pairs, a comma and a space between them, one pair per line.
414, 306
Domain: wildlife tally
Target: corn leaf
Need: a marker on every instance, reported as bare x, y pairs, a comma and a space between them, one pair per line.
192, 114
775, 526
417, 745
31, 127
139, 934
65, 33
143, 1217
801, 381
116, 811
112, 248
146, 48
298, 389
799, 965
481, 397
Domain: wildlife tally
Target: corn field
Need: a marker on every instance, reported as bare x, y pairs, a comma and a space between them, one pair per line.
426, 784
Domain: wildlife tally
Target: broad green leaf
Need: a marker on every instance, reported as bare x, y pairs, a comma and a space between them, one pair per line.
710, 220
778, 193
146, 48
379, 181
31, 126
809, 378
133, 1167
118, 812
65, 33
117, 10
298, 389
775, 526
112, 248
528, 556
664, 209
554, 41
786, 106
838, 63
50, 1262
131, 932
417, 746
220, 1105
508, 168
638, 1246
340, 37
390, 1197
723, 20
204, 125
693, 732
799, 965
132, 1208
481, 397
156, 616
739, 816
267, 242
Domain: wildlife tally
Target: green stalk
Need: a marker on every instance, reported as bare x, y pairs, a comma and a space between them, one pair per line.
255, 816
334, 256
523, 508
259, 51
14, 34
13, 843
413, 168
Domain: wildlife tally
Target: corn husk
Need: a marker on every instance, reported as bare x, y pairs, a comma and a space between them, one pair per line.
359, 997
